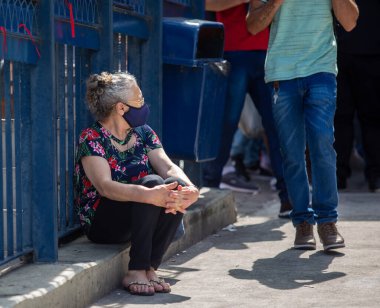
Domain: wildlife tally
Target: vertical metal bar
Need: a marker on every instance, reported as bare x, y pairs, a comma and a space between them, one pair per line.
103, 58
82, 71
69, 157
2, 101
134, 58
26, 162
44, 148
124, 52
8, 163
81, 114
121, 53
61, 135
18, 157
151, 69
116, 50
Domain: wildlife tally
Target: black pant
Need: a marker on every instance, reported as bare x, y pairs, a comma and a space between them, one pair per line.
148, 228
358, 91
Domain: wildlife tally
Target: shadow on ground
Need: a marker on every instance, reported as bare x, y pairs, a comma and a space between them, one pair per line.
288, 270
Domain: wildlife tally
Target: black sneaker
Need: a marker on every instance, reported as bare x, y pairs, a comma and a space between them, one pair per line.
285, 210
238, 183
374, 185
341, 183
238, 163
260, 172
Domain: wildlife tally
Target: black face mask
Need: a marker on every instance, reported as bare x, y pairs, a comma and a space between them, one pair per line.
136, 116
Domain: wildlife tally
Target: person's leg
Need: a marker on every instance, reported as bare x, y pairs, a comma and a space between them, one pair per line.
344, 120
238, 149
320, 104
117, 221
145, 223
252, 152
236, 91
288, 113
164, 232
261, 96
239, 144
367, 79
290, 123
112, 223
144, 219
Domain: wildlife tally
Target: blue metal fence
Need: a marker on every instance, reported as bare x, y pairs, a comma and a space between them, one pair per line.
42, 90
137, 6
18, 20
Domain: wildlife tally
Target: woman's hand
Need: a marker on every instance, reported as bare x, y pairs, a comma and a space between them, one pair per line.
164, 195
184, 197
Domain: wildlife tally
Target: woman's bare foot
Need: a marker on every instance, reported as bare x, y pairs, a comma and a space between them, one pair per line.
160, 286
137, 283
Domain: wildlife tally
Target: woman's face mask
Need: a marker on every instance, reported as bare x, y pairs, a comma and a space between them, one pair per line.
136, 116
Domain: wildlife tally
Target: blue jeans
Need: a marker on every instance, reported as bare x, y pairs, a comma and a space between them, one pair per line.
249, 148
303, 110
246, 75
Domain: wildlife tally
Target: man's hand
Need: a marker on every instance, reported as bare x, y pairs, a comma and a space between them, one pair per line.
346, 12
261, 14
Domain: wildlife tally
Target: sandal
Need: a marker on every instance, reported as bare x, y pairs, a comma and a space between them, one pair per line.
134, 283
160, 282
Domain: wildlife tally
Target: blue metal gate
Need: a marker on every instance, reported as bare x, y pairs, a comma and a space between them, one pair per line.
47, 50
18, 55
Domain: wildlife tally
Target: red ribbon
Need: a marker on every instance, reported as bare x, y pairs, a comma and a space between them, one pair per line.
31, 37
72, 23
2, 29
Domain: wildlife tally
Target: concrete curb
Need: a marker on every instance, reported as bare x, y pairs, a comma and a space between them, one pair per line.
86, 272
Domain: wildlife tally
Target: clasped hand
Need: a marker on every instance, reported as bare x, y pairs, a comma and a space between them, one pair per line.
184, 196
175, 200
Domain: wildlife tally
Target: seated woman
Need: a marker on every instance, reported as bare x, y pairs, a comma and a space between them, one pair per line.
127, 188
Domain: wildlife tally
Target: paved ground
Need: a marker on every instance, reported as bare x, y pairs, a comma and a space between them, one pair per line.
251, 264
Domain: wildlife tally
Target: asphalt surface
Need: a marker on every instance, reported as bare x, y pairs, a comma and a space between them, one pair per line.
252, 263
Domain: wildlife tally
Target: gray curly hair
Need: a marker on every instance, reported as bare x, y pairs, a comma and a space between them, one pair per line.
105, 90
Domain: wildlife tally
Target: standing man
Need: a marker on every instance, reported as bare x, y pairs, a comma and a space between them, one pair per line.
358, 81
301, 70
246, 53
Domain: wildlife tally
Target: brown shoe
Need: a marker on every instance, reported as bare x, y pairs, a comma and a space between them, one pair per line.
304, 237
329, 236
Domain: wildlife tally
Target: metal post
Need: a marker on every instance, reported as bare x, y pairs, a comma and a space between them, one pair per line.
151, 66
193, 169
44, 150
103, 59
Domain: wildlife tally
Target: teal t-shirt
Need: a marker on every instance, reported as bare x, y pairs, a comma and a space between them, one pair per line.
302, 41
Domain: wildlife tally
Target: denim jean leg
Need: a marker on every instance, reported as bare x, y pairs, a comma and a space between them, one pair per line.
261, 96
320, 104
252, 152
236, 91
239, 143
289, 120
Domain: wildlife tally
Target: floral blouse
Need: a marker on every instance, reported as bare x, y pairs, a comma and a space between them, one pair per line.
126, 167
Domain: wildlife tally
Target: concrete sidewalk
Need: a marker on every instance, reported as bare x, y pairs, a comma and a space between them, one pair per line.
86, 271
251, 264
